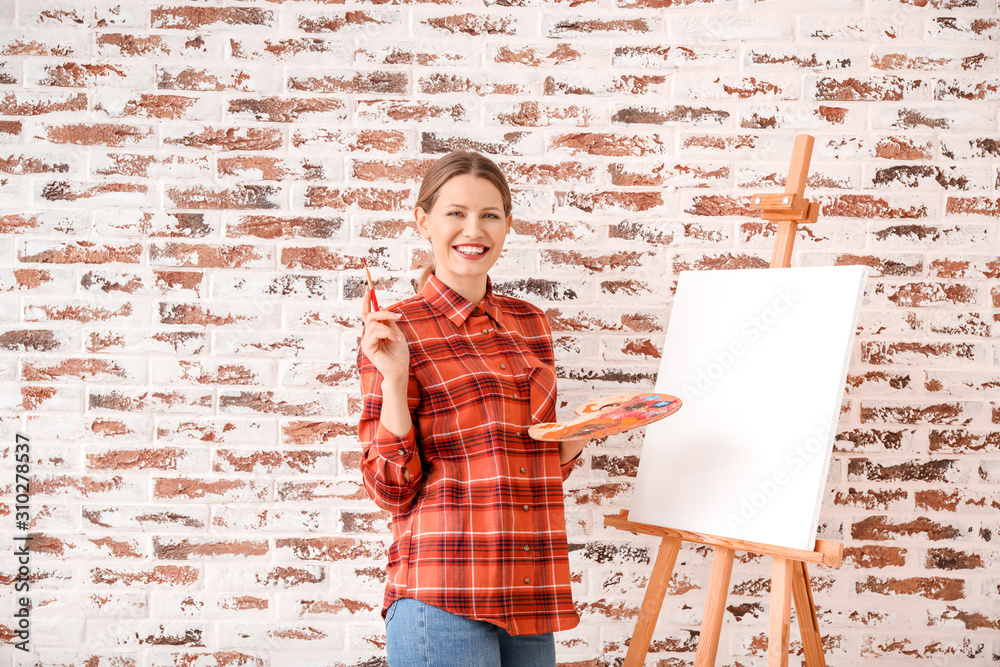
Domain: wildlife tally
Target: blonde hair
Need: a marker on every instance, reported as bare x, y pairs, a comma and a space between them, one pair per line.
459, 163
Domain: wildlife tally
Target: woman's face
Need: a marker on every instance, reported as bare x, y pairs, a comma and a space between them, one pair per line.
467, 228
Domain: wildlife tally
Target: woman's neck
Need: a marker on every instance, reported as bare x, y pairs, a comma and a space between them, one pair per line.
473, 288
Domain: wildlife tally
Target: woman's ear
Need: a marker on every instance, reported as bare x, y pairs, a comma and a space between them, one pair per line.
421, 217
510, 221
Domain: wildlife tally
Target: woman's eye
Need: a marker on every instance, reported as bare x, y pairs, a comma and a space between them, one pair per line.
455, 213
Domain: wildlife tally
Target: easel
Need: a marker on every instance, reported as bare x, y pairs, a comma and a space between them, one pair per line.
789, 577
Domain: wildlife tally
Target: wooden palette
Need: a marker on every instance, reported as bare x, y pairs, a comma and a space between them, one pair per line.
609, 416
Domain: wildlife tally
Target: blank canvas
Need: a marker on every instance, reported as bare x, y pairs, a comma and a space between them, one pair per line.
759, 359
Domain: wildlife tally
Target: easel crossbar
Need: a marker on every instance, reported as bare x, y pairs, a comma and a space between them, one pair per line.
826, 552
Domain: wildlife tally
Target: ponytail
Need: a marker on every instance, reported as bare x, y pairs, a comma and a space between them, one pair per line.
422, 280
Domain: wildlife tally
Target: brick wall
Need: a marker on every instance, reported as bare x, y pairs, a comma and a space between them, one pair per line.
186, 193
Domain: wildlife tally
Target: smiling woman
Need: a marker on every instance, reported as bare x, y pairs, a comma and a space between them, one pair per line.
466, 184
452, 378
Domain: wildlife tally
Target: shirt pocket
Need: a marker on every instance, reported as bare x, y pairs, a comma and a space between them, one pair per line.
542, 392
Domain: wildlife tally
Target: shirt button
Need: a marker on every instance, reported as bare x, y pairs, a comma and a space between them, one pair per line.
526, 507
486, 331
476, 311
523, 469
527, 547
527, 580
401, 452
502, 367
515, 396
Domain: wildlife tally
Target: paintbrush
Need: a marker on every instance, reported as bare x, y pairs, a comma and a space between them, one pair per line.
371, 286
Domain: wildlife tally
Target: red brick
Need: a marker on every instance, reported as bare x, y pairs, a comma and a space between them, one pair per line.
957, 500
366, 83
150, 401
23, 103
236, 197
588, 27
145, 105
882, 527
965, 89
389, 141
116, 194
32, 340
225, 138
472, 24
209, 255
179, 77
872, 556
268, 227
981, 206
720, 261
150, 166
678, 114
75, 252
388, 111
287, 110
940, 471
479, 83
961, 441
680, 175
10, 128
187, 548
82, 75
100, 134
934, 588
21, 164
348, 21
534, 56
610, 201
286, 50
119, 45
270, 168
319, 258
626, 84
869, 88
368, 199
195, 18
512, 143
609, 144
869, 206
47, 223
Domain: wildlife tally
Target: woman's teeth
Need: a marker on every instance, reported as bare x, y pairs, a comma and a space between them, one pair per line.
470, 250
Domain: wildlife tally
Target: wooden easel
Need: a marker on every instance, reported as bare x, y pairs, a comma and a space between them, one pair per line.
789, 577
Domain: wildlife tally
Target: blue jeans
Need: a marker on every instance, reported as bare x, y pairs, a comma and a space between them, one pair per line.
419, 635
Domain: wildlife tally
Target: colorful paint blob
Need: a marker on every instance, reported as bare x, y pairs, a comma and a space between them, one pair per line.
610, 416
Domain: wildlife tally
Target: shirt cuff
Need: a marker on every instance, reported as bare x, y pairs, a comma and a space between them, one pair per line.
400, 450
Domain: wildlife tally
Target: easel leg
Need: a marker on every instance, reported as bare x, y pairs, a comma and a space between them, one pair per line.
715, 605
663, 567
805, 612
781, 609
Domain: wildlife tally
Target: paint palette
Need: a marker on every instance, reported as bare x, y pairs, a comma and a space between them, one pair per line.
609, 416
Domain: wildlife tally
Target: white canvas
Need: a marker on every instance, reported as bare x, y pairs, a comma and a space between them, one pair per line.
759, 359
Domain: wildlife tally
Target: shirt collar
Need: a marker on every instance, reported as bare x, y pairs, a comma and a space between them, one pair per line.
453, 305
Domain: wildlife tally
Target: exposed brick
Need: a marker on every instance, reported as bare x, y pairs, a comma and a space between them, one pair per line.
100, 134
367, 83
146, 105
236, 197
870, 88
83, 75
226, 139
195, 18
345, 21
882, 527
287, 110
21, 103
934, 588
588, 143
180, 77
471, 24
269, 227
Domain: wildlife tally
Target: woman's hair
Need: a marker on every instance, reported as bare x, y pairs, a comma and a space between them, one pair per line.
459, 163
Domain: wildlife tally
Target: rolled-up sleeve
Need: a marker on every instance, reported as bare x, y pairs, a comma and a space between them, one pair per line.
386, 456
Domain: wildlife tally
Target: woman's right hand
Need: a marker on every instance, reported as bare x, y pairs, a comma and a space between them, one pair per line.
383, 342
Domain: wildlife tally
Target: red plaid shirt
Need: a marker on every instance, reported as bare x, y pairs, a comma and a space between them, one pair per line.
479, 529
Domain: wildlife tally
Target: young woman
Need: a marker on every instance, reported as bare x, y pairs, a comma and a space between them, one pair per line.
478, 572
